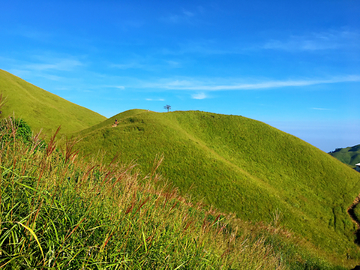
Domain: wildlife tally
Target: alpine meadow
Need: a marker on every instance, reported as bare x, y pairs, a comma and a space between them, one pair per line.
173, 190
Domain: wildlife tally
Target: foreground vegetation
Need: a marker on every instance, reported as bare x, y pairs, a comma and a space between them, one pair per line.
61, 212
242, 166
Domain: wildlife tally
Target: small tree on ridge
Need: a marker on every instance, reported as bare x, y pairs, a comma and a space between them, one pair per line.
167, 107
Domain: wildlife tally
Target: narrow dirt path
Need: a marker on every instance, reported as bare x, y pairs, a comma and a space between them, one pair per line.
351, 212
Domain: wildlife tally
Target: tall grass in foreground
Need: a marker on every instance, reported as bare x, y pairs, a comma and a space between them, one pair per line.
58, 211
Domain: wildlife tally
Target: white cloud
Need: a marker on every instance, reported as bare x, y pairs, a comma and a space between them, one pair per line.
120, 87
25, 73
62, 88
54, 64
218, 86
28, 32
201, 95
321, 109
173, 64
185, 16
313, 42
128, 65
131, 24
147, 63
188, 13
316, 41
156, 99
201, 46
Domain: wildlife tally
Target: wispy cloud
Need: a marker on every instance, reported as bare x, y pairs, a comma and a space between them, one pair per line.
131, 65
148, 63
50, 66
131, 24
321, 109
190, 84
188, 13
201, 46
315, 41
155, 99
25, 73
56, 64
312, 42
201, 95
28, 32
184, 16
173, 64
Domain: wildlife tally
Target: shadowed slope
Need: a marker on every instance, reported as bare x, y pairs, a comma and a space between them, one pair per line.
41, 109
240, 165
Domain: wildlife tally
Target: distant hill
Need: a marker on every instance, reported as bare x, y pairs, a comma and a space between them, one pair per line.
240, 165
348, 155
42, 109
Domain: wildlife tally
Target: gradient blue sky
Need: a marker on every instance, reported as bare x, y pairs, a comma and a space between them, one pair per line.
292, 64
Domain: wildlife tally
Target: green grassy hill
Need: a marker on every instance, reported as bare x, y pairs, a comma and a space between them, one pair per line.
234, 163
243, 166
41, 109
348, 155
59, 211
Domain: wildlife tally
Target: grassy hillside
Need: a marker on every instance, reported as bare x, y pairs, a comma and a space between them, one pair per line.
58, 211
243, 166
41, 109
348, 155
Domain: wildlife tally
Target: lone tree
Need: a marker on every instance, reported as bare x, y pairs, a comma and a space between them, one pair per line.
167, 107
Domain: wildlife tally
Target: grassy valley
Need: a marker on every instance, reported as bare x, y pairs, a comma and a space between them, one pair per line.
41, 109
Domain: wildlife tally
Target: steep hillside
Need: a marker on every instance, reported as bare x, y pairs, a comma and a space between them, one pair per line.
240, 165
348, 155
41, 109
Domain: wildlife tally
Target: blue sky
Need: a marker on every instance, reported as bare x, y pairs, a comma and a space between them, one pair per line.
292, 64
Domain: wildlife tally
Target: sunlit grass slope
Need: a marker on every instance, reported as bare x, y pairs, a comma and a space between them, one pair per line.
41, 109
58, 211
243, 166
348, 155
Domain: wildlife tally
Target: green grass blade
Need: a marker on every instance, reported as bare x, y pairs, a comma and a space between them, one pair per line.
33, 234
